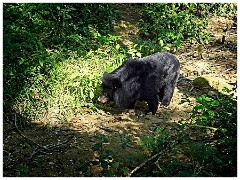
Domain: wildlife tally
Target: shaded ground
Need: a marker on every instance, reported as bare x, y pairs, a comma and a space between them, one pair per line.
123, 129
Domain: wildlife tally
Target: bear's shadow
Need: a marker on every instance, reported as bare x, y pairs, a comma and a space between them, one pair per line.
141, 107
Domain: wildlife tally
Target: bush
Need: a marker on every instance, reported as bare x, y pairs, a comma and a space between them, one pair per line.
207, 146
168, 24
171, 23
73, 84
40, 39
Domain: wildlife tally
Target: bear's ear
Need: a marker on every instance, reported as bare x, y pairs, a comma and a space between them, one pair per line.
110, 81
106, 76
107, 79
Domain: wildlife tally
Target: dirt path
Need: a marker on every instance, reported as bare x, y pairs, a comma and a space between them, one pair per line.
122, 129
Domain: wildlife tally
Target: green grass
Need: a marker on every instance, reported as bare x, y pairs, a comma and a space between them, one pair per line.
68, 87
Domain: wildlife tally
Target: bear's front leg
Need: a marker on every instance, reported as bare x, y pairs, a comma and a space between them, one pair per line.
167, 95
153, 105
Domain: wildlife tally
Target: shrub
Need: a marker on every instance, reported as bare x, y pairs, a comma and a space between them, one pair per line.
168, 24
207, 146
42, 41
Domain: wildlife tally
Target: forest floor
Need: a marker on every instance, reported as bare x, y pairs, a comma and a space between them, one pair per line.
65, 151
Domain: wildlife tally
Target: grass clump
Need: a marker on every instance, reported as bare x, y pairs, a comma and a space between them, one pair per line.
70, 86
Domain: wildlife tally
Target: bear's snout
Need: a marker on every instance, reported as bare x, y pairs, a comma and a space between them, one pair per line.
103, 99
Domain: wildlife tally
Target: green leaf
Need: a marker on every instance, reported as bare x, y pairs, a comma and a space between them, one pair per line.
205, 116
97, 147
181, 28
161, 43
41, 61
138, 54
177, 43
199, 100
74, 75
102, 138
208, 99
104, 164
224, 131
196, 108
22, 61
211, 113
91, 95
117, 46
215, 103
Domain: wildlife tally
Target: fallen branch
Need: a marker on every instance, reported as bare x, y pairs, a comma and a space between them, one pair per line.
43, 149
50, 147
150, 159
20, 133
106, 129
207, 127
144, 163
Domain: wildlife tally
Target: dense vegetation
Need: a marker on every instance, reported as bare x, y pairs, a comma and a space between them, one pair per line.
199, 156
56, 49
55, 54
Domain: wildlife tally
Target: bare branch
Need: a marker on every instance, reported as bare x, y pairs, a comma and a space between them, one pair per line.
20, 133
150, 159
43, 149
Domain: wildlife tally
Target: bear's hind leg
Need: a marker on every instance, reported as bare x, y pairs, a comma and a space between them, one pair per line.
131, 106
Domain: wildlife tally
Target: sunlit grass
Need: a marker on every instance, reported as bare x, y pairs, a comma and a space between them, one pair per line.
71, 85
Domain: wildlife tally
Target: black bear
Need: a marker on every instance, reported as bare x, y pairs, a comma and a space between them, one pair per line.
151, 79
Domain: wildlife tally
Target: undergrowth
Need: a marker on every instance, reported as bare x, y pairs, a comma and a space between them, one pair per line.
168, 24
71, 85
54, 56
205, 146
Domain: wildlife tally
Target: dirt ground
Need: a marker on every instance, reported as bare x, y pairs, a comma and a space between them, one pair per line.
72, 143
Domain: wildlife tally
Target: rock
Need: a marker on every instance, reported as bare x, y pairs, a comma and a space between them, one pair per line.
201, 83
208, 82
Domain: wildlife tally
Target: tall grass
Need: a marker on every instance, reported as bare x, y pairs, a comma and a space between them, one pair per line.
73, 84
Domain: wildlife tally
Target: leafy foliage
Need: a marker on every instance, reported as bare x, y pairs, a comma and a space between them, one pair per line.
169, 24
223, 9
104, 158
23, 171
177, 21
40, 41
74, 83
214, 155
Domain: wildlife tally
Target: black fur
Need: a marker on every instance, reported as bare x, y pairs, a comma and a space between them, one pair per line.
151, 79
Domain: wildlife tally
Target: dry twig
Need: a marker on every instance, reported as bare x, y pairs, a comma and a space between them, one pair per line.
43, 149
207, 127
150, 159
20, 133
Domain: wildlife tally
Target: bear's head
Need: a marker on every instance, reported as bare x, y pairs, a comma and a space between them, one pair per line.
109, 86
